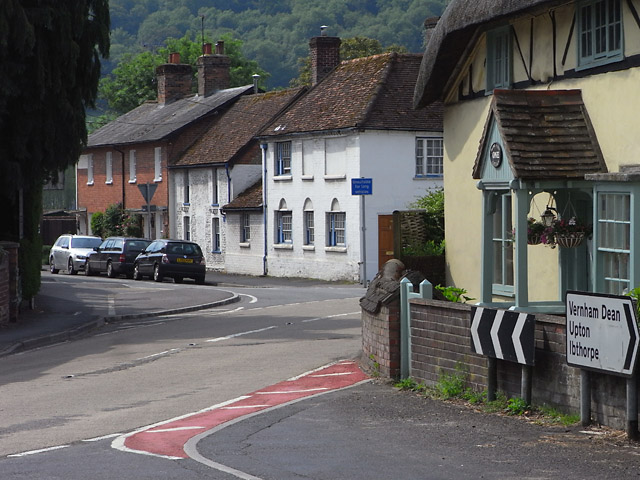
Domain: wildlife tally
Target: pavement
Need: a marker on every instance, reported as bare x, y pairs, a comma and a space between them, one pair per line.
55, 317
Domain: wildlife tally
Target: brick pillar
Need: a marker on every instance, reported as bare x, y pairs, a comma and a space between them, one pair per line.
174, 80
213, 70
325, 56
12, 276
381, 340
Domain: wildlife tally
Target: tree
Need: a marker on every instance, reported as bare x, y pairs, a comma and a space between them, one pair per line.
350, 48
50, 54
133, 81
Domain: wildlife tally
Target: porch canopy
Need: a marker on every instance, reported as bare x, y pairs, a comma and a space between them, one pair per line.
534, 141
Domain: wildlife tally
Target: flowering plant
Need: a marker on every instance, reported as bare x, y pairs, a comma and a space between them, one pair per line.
566, 233
535, 231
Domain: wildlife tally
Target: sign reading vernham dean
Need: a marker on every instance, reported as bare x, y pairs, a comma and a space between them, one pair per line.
602, 333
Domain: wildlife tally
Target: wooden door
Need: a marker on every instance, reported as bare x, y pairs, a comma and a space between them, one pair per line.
385, 239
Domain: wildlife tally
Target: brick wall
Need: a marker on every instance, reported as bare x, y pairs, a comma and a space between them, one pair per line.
440, 340
381, 340
325, 56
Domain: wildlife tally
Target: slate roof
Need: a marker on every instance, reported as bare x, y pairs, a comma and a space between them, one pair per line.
366, 93
547, 134
250, 199
460, 22
234, 129
151, 121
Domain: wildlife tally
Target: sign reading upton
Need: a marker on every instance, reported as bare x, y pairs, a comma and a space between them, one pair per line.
602, 333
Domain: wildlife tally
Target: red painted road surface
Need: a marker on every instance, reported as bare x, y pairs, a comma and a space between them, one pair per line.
168, 439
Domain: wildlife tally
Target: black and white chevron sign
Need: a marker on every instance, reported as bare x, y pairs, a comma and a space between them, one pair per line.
503, 334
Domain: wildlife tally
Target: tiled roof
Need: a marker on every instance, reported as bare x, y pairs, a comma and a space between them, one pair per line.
547, 134
234, 129
370, 93
250, 199
152, 122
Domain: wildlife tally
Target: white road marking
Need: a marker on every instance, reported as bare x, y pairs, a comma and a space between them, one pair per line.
219, 339
42, 450
176, 429
253, 299
329, 316
332, 374
111, 305
104, 437
173, 350
284, 392
244, 406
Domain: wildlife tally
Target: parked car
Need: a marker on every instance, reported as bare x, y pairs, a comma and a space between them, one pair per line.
70, 252
115, 256
176, 259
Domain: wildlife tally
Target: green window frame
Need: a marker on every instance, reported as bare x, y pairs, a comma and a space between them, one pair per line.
600, 36
499, 58
614, 241
502, 244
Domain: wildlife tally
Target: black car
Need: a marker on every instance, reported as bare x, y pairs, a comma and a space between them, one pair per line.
176, 259
115, 256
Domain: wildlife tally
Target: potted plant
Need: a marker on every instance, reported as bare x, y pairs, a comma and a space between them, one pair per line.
566, 233
535, 230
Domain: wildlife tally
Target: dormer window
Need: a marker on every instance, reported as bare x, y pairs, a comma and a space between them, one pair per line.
499, 58
599, 32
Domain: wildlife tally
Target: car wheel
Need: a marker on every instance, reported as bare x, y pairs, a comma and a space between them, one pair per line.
177, 279
110, 272
70, 269
87, 268
200, 280
52, 266
136, 272
157, 277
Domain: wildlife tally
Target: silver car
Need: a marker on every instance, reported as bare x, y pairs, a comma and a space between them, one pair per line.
70, 252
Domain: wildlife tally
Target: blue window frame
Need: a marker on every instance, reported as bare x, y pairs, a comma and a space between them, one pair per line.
499, 58
336, 223
309, 231
283, 158
215, 234
599, 32
284, 226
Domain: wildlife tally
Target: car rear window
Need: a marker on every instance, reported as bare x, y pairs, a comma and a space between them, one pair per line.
184, 249
137, 245
85, 242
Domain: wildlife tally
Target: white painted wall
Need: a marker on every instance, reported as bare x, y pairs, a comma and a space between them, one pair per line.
244, 258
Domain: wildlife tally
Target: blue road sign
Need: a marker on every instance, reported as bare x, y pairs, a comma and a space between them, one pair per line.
361, 186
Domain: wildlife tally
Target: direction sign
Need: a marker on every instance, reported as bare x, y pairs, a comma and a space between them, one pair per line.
361, 186
503, 334
602, 332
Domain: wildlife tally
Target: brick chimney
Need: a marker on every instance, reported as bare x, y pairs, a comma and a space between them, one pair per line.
174, 80
213, 70
325, 55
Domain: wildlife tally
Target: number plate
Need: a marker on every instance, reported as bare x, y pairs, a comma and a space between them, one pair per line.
184, 260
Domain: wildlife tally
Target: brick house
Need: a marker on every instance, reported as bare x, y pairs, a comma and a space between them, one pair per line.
220, 165
135, 149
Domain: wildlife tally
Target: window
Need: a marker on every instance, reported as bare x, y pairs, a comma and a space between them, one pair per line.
429, 153
215, 234
185, 188
336, 221
132, 166
157, 156
245, 228
109, 168
186, 225
283, 158
502, 246
614, 241
599, 32
283, 223
309, 233
214, 187
499, 58
90, 169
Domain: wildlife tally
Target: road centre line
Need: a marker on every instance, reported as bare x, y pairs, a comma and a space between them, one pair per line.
240, 334
329, 316
166, 352
41, 450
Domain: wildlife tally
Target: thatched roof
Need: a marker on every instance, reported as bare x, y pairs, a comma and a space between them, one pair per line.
459, 23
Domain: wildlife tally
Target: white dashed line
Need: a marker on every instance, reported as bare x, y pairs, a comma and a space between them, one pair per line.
42, 450
219, 339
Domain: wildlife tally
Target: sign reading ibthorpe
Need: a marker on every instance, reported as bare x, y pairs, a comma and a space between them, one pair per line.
602, 333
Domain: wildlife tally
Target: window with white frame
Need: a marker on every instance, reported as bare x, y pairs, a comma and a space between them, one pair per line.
245, 228
499, 58
429, 154
215, 234
186, 191
186, 228
90, 169
283, 158
214, 187
108, 168
336, 223
284, 224
599, 32
309, 220
157, 162
614, 241
132, 166
502, 239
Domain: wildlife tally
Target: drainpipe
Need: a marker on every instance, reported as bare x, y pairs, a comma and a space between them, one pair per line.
264, 146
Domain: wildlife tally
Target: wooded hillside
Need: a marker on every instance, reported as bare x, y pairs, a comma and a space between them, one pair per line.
275, 33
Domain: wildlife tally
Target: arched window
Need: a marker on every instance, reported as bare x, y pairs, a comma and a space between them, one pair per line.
336, 225
309, 232
283, 223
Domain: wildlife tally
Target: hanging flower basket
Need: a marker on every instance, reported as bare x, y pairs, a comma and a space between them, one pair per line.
570, 240
534, 239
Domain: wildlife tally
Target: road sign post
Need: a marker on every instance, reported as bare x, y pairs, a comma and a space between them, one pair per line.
602, 336
362, 187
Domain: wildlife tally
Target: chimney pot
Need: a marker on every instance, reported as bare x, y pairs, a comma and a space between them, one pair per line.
174, 57
213, 71
219, 47
206, 49
256, 78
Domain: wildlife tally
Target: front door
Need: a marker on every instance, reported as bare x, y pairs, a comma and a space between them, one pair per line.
385, 239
